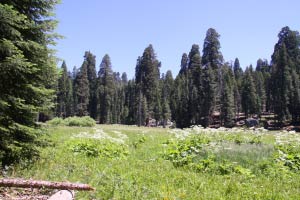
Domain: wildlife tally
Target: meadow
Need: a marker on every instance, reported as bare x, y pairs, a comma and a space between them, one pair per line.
128, 162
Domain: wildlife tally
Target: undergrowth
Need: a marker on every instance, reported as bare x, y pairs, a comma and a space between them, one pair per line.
127, 162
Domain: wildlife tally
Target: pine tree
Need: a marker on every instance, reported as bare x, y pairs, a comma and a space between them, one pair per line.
81, 91
106, 91
131, 92
27, 75
227, 97
194, 77
211, 49
209, 98
282, 84
213, 58
238, 75
168, 84
285, 68
181, 106
64, 93
124, 78
92, 78
295, 98
70, 98
166, 112
249, 95
147, 77
261, 91
184, 63
157, 109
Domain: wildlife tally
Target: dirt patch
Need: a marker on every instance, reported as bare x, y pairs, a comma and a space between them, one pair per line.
24, 194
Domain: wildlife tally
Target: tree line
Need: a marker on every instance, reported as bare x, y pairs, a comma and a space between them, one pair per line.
205, 86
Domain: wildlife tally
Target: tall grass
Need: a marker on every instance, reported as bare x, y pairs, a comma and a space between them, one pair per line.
144, 173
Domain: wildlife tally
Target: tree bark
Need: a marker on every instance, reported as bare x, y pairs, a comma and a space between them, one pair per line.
46, 184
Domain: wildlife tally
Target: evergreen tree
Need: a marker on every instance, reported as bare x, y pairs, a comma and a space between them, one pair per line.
181, 102
295, 98
124, 78
130, 103
238, 75
282, 84
213, 58
157, 109
64, 93
27, 75
168, 84
195, 87
70, 98
92, 78
166, 112
184, 63
211, 49
249, 95
261, 91
209, 98
147, 77
285, 68
106, 91
227, 97
81, 91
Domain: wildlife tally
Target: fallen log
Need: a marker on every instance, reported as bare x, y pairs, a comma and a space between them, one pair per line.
43, 184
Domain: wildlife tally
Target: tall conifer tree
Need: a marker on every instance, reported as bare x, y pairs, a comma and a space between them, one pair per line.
106, 91
81, 90
27, 75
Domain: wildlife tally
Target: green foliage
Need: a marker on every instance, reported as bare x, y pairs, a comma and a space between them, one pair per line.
226, 171
249, 95
221, 154
81, 91
80, 121
139, 142
27, 75
211, 49
73, 121
64, 106
147, 76
56, 121
92, 148
105, 91
92, 78
182, 153
289, 155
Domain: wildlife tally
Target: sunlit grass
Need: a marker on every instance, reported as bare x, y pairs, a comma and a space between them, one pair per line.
145, 174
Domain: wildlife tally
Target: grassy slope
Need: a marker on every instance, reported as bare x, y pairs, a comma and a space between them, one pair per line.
144, 174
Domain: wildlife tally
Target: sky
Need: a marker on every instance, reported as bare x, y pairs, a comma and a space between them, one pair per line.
124, 28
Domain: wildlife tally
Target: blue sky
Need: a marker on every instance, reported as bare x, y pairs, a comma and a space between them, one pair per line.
123, 29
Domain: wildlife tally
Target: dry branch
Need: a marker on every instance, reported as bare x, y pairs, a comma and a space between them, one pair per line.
43, 184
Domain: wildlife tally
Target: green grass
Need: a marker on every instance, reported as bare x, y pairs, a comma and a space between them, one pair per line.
143, 172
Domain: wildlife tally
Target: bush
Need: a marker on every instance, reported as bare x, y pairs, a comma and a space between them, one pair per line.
56, 121
104, 149
80, 121
73, 121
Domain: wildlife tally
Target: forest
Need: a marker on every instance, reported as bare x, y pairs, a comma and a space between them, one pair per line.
207, 90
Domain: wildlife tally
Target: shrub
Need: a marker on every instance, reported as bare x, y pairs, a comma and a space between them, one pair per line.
73, 121
104, 149
80, 121
56, 121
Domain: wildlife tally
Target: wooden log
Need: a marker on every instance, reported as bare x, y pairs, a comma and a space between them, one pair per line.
43, 184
